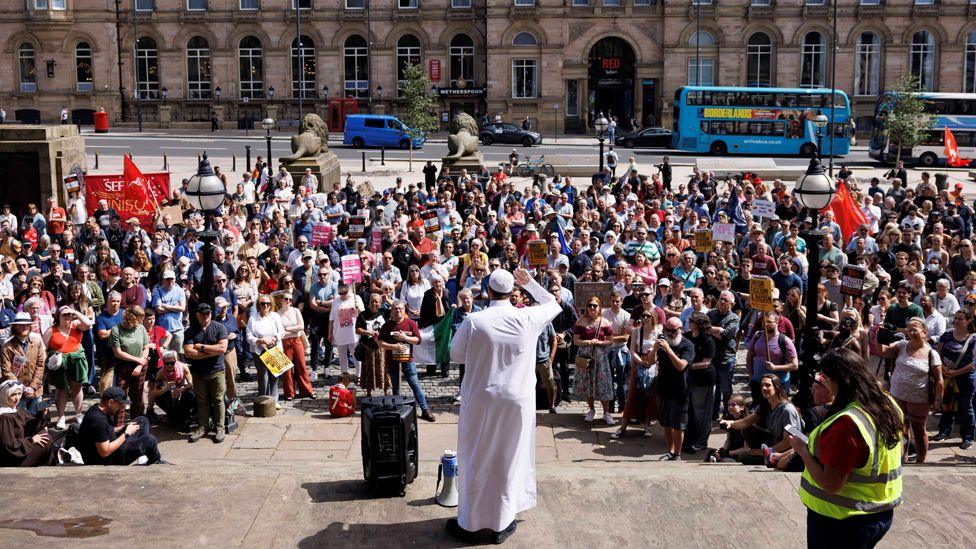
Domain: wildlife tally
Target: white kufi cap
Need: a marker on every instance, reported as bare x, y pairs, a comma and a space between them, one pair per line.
501, 281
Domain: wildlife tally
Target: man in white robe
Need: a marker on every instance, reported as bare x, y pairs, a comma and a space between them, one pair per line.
496, 427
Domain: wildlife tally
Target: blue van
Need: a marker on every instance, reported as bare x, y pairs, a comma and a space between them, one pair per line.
378, 130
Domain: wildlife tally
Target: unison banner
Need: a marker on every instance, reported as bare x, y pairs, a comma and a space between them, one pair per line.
129, 197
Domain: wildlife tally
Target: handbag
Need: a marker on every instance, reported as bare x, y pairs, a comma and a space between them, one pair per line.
55, 361
950, 389
583, 363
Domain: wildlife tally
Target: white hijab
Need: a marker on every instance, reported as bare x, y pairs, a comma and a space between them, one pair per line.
6, 389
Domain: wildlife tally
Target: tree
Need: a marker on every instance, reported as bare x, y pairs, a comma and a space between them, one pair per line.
907, 120
417, 107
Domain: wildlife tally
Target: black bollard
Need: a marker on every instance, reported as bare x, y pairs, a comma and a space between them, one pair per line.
247, 149
382, 156
364, 161
233, 163
165, 162
96, 160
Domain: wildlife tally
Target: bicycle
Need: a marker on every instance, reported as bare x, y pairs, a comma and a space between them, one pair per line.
531, 167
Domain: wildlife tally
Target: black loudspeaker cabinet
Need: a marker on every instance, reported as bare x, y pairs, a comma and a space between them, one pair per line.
389, 443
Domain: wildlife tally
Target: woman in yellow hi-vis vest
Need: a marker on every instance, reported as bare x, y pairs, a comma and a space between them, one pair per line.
852, 480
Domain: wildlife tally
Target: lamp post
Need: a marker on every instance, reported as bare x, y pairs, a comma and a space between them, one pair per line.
325, 94
379, 94
247, 115
164, 92
601, 124
217, 92
206, 192
819, 121
267, 124
814, 190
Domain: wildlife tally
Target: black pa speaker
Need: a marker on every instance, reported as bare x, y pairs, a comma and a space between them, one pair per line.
389, 443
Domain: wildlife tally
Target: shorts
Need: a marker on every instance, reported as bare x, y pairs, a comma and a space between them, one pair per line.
544, 371
674, 413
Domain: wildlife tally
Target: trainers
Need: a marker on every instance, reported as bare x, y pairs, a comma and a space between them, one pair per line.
313, 376
940, 437
427, 416
608, 419
589, 416
966, 444
79, 418
141, 460
666, 457
61, 425
195, 435
277, 405
219, 436
457, 399
552, 410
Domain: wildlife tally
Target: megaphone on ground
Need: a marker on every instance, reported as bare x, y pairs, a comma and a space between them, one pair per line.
448, 495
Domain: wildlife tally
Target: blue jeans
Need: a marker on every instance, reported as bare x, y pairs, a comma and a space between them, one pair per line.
965, 385
723, 382
410, 371
618, 359
860, 531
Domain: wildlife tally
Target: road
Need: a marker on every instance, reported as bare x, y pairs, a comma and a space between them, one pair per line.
190, 146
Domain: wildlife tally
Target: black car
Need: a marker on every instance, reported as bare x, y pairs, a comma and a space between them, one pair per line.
648, 137
508, 133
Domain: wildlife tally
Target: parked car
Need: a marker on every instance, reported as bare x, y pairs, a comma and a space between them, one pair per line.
378, 130
648, 137
508, 133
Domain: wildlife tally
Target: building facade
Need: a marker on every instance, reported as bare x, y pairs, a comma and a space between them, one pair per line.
559, 62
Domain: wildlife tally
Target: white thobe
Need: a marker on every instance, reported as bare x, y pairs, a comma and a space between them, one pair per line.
496, 427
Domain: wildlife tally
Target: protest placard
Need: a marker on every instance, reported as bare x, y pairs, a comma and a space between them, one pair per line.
584, 291
376, 246
704, 242
357, 226
352, 270
431, 223
275, 361
366, 189
852, 280
761, 293
321, 234
763, 208
723, 232
538, 253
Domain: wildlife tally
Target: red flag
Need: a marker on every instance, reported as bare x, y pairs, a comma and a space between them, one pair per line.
137, 187
846, 212
952, 151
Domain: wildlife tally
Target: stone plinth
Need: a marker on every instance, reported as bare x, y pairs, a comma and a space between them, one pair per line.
36, 158
473, 164
325, 166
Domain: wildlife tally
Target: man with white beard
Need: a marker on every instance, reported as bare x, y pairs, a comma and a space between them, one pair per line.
496, 426
674, 354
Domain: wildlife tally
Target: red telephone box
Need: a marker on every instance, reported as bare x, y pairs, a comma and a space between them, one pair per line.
339, 109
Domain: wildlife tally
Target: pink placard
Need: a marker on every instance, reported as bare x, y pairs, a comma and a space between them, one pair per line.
352, 269
321, 234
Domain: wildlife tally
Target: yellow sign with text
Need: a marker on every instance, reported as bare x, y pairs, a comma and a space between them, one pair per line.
704, 242
275, 361
761, 293
538, 253
722, 112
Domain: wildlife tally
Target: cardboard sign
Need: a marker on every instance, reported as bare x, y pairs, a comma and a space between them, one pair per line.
376, 245
128, 198
352, 269
72, 183
365, 189
175, 214
852, 280
538, 252
275, 361
584, 291
357, 226
764, 208
761, 293
321, 234
723, 232
704, 241
431, 222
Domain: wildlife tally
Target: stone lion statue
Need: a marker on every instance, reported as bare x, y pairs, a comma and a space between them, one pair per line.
312, 138
463, 140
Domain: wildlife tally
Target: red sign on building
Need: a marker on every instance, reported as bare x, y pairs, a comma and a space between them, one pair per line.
434, 69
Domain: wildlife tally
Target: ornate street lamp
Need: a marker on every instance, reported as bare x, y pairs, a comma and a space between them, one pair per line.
820, 121
814, 190
325, 93
601, 124
164, 92
206, 192
217, 92
267, 124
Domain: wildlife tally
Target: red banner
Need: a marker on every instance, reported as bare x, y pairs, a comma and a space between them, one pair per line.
434, 70
128, 198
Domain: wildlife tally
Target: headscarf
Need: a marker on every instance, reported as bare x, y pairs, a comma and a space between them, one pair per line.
7, 388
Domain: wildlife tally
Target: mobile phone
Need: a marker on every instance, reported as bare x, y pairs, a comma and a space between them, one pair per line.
797, 434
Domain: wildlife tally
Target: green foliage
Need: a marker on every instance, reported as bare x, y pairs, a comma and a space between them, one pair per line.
417, 109
907, 121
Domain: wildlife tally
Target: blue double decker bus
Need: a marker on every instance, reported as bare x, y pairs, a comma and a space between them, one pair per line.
758, 121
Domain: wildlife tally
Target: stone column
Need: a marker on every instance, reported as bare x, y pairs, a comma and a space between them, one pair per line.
165, 116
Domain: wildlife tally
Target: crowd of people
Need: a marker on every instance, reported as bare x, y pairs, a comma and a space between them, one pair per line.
99, 305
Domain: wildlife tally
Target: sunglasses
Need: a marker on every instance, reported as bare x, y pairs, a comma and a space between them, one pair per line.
593, 306
264, 304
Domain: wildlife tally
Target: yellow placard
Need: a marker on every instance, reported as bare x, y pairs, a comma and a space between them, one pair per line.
275, 361
538, 253
704, 241
761, 293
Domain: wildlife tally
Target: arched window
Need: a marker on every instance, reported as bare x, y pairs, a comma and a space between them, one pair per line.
921, 61
759, 63
83, 67
407, 53
701, 64
251, 68
147, 68
525, 39
867, 70
198, 68
462, 59
356, 67
28, 67
969, 76
303, 68
813, 60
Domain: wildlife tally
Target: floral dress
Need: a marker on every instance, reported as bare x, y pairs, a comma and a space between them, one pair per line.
596, 382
